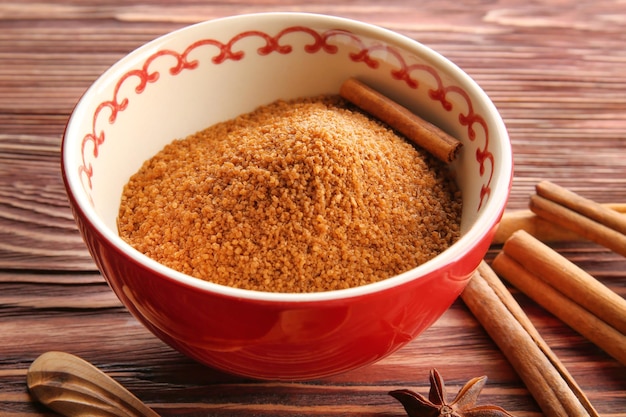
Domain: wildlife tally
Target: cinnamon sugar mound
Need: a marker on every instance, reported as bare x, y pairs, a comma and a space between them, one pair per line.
301, 196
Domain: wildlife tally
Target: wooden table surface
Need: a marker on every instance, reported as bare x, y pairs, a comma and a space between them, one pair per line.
555, 69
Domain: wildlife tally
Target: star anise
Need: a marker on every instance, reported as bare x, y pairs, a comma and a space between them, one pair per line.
436, 405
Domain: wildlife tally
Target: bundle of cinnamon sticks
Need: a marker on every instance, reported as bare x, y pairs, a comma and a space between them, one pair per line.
555, 283
571, 294
546, 378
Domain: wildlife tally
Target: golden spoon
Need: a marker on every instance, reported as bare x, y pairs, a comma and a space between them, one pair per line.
75, 388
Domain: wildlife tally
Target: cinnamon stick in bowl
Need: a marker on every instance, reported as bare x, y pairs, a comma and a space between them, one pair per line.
417, 130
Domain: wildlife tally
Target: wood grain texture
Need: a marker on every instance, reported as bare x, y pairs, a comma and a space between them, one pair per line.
554, 69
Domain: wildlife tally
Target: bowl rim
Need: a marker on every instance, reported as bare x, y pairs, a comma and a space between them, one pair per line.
486, 220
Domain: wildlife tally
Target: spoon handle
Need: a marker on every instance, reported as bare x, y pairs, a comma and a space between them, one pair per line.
75, 388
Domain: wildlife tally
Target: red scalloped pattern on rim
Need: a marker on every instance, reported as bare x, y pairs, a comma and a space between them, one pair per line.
319, 43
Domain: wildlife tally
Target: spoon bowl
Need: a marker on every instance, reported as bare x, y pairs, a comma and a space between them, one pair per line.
73, 387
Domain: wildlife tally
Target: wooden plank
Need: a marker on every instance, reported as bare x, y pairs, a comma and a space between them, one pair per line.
553, 69
37, 230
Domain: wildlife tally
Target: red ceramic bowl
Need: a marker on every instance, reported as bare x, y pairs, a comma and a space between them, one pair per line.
213, 71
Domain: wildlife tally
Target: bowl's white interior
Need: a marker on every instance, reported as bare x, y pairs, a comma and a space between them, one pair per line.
175, 105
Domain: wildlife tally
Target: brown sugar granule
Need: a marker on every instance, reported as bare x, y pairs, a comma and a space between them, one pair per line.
297, 196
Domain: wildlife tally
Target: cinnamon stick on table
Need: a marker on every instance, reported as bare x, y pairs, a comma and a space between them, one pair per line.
580, 215
582, 205
566, 291
419, 131
542, 229
554, 389
575, 283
